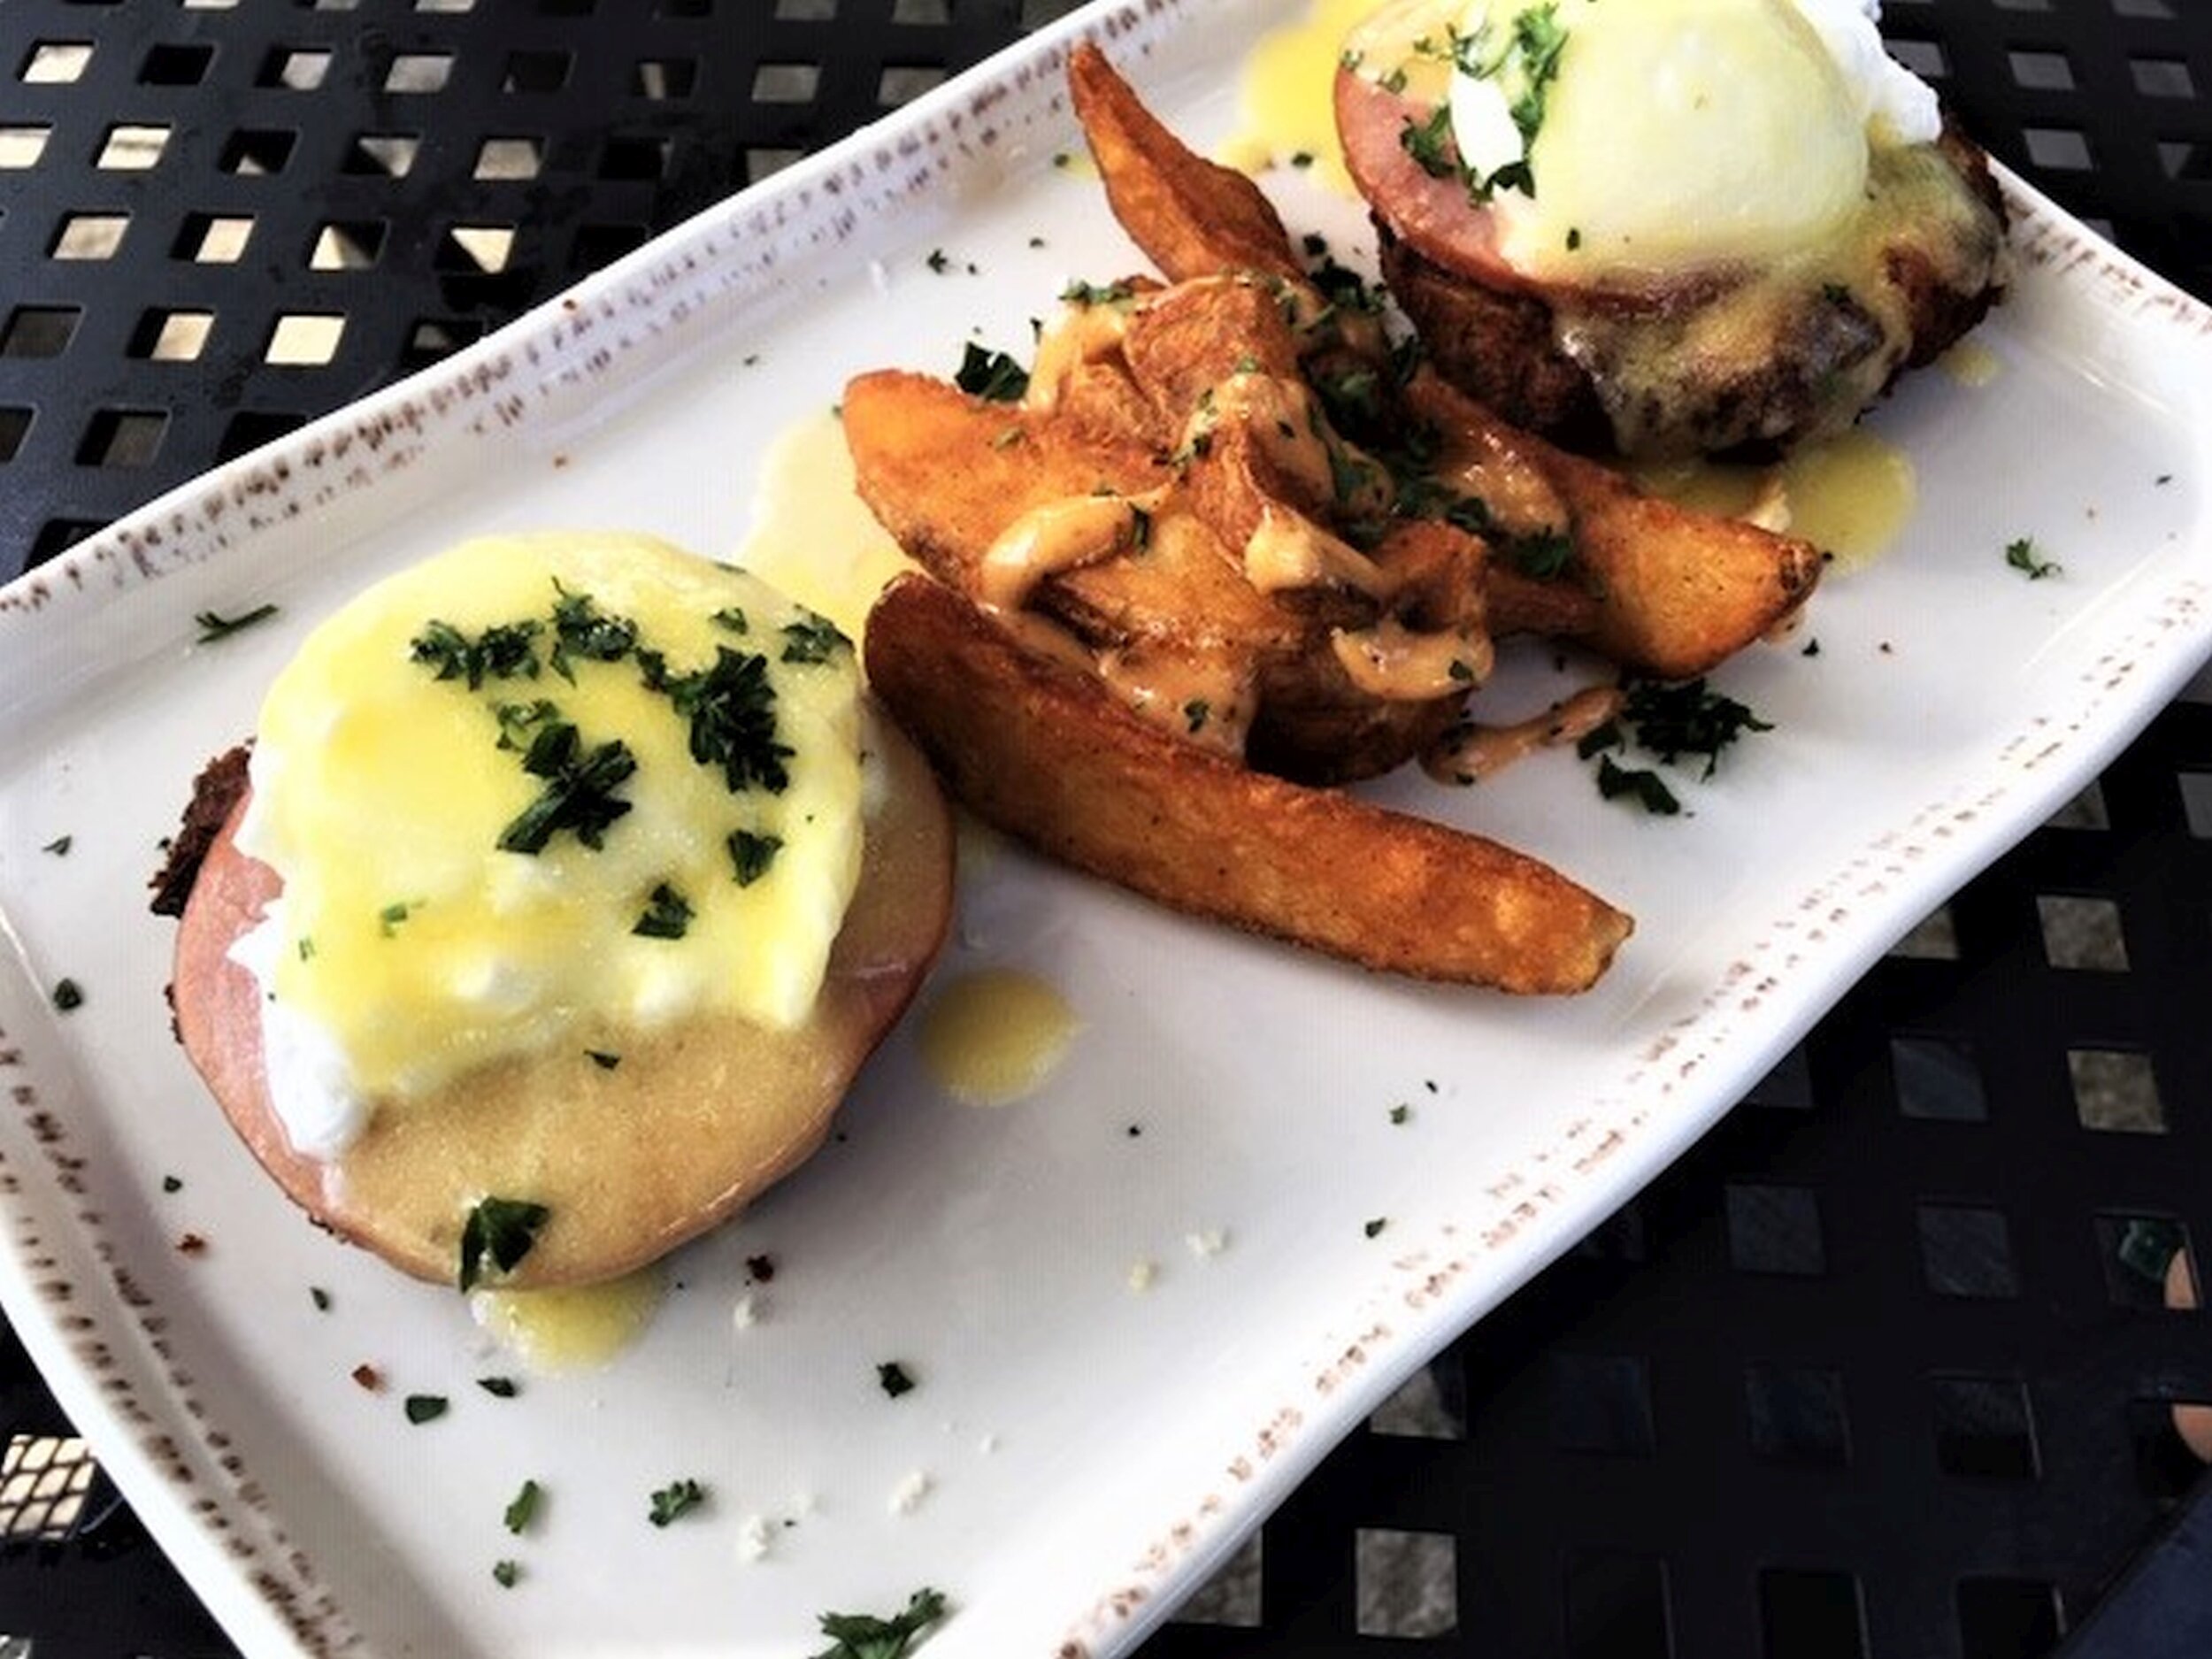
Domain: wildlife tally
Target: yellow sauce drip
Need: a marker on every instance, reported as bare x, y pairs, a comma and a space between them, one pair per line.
574, 1328
1849, 495
1286, 112
994, 1036
811, 534
1970, 362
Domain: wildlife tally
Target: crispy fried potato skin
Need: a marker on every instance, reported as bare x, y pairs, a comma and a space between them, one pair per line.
1192, 217
1042, 751
1674, 592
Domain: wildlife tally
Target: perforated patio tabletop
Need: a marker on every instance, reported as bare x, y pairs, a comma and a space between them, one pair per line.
1737, 1420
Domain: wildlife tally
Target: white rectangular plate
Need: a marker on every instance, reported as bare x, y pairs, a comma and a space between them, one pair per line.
1090, 1451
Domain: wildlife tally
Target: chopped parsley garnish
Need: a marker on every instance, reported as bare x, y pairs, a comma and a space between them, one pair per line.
1197, 712
1648, 787
506, 1574
1401, 1112
214, 626
387, 921
667, 915
752, 854
731, 708
1098, 294
1542, 556
1525, 64
508, 650
522, 1506
499, 1230
578, 793
2022, 556
320, 1297
600, 1058
894, 1378
580, 629
59, 845
993, 376
677, 1497
424, 1407
499, 1388
172, 1184
68, 995
1430, 143
1674, 718
813, 639
733, 618
517, 719
864, 1636
1375, 1226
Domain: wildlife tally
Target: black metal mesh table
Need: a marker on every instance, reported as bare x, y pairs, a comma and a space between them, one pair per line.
1881, 1368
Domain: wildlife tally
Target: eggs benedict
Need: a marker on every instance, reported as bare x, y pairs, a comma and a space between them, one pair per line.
1672, 227
569, 883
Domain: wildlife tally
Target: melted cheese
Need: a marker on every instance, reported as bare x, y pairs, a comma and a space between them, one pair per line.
408, 948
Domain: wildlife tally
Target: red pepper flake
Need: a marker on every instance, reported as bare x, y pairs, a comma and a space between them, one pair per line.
369, 1377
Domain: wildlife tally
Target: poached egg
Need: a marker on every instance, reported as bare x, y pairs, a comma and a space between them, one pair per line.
1665, 136
537, 790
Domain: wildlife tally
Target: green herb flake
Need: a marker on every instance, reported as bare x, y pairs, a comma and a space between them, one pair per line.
68, 996
1197, 712
752, 854
1674, 718
59, 845
894, 1378
522, 1506
1375, 1226
602, 1059
813, 639
939, 261
499, 1388
580, 629
388, 918
732, 711
214, 626
500, 1231
507, 650
866, 1636
1645, 787
172, 1184
677, 1498
320, 1297
506, 1574
733, 618
667, 915
992, 376
579, 793
2022, 556
1401, 1113
424, 1407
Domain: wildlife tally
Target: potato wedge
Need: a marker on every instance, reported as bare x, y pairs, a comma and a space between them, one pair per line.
1192, 217
1042, 751
1676, 591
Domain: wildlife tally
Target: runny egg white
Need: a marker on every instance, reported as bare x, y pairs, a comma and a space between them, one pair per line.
1656, 136
410, 945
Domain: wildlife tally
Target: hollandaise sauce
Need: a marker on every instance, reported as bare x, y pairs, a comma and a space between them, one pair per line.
540, 791
1850, 495
570, 1329
994, 1036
